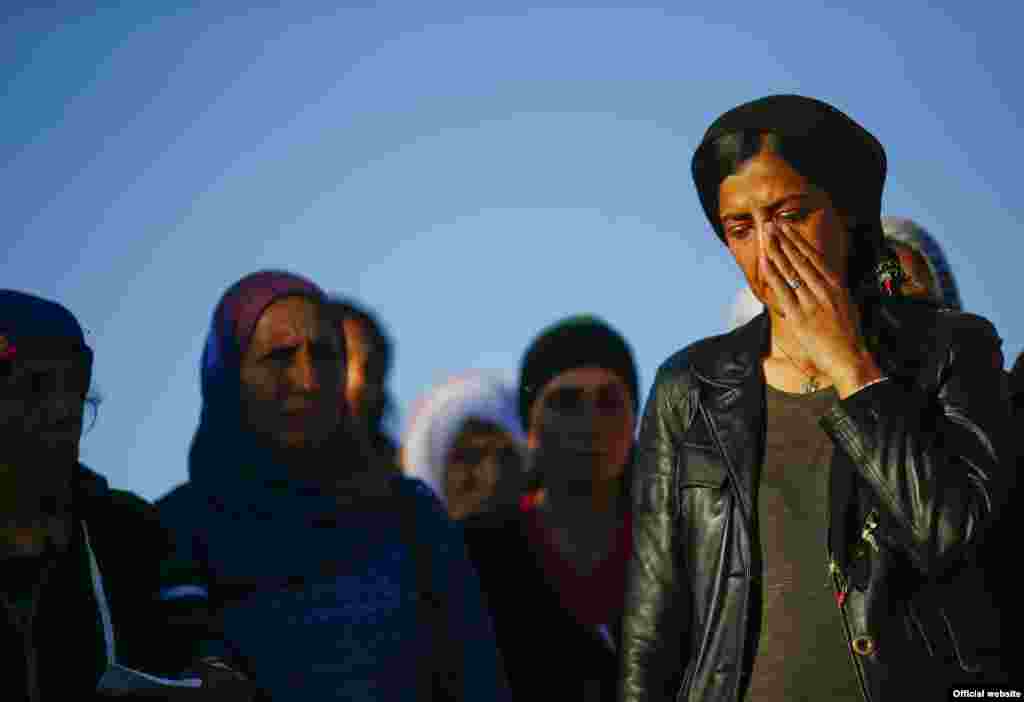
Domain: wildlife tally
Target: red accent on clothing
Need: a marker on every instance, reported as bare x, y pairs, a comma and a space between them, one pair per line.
529, 501
594, 599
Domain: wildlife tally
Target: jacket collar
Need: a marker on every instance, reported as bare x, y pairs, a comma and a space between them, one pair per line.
902, 327
728, 368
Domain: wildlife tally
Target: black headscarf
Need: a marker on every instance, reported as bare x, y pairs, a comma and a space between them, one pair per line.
836, 154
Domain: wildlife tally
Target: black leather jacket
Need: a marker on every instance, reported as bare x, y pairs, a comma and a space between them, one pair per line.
916, 471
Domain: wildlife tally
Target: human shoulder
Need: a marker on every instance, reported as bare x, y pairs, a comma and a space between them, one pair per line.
125, 533
676, 373
698, 357
966, 325
939, 326
678, 377
129, 505
489, 527
416, 501
498, 546
184, 507
414, 490
179, 494
100, 504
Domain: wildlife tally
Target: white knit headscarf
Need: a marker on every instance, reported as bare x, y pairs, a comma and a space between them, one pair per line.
439, 416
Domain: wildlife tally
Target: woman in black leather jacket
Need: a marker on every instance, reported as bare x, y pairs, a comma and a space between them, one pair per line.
812, 487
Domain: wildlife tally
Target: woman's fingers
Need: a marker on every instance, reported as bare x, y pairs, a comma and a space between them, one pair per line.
809, 254
785, 296
803, 270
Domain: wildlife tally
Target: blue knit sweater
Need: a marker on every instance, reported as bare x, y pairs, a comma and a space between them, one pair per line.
321, 604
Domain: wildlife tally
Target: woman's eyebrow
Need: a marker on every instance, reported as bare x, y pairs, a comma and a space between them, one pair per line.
285, 338
745, 214
280, 346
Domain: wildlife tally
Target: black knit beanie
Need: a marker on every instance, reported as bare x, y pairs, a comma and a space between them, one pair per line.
35, 327
574, 342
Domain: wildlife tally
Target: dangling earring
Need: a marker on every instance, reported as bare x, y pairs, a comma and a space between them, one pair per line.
889, 275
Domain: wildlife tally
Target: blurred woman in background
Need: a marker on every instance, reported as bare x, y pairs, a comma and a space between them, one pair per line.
330, 577
553, 567
465, 441
82, 563
370, 357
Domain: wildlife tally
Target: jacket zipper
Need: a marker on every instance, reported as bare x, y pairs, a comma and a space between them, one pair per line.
742, 631
841, 587
840, 583
870, 526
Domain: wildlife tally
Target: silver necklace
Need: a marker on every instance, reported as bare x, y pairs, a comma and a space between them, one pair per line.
811, 384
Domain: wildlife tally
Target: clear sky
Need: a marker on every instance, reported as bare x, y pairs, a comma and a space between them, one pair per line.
472, 174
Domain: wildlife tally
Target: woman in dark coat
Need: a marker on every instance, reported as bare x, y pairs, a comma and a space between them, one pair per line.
553, 569
330, 577
81, 563
812, 487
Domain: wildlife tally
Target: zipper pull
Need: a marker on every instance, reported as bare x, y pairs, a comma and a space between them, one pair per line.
841, 583
841, 595
868, 532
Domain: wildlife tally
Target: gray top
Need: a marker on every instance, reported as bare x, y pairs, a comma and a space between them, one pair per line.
802, 651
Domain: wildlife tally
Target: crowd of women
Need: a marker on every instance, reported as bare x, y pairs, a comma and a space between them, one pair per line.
818, 504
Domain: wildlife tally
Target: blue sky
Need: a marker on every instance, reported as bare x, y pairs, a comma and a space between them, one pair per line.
473, 171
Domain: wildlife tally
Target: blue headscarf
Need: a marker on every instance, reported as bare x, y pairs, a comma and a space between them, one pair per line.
220, 449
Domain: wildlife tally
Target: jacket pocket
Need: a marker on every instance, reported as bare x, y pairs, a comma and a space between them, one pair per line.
701, 487
701, 465
960, 625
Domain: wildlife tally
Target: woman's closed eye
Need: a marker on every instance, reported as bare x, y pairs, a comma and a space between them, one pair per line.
282, 354
565, 400
610, 400
738, 230
793, 214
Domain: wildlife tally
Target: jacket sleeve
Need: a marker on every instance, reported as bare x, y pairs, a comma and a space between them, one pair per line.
130, 545
654, 648
936, 461
190, 616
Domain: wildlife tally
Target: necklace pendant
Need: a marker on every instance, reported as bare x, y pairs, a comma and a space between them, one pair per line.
811, 385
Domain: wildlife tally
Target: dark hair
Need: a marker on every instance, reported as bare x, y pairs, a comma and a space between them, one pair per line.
1016, 379
727, 154
381, 355
345, 308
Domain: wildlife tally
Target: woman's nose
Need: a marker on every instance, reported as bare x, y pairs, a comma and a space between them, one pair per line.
768, 232
305, 371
